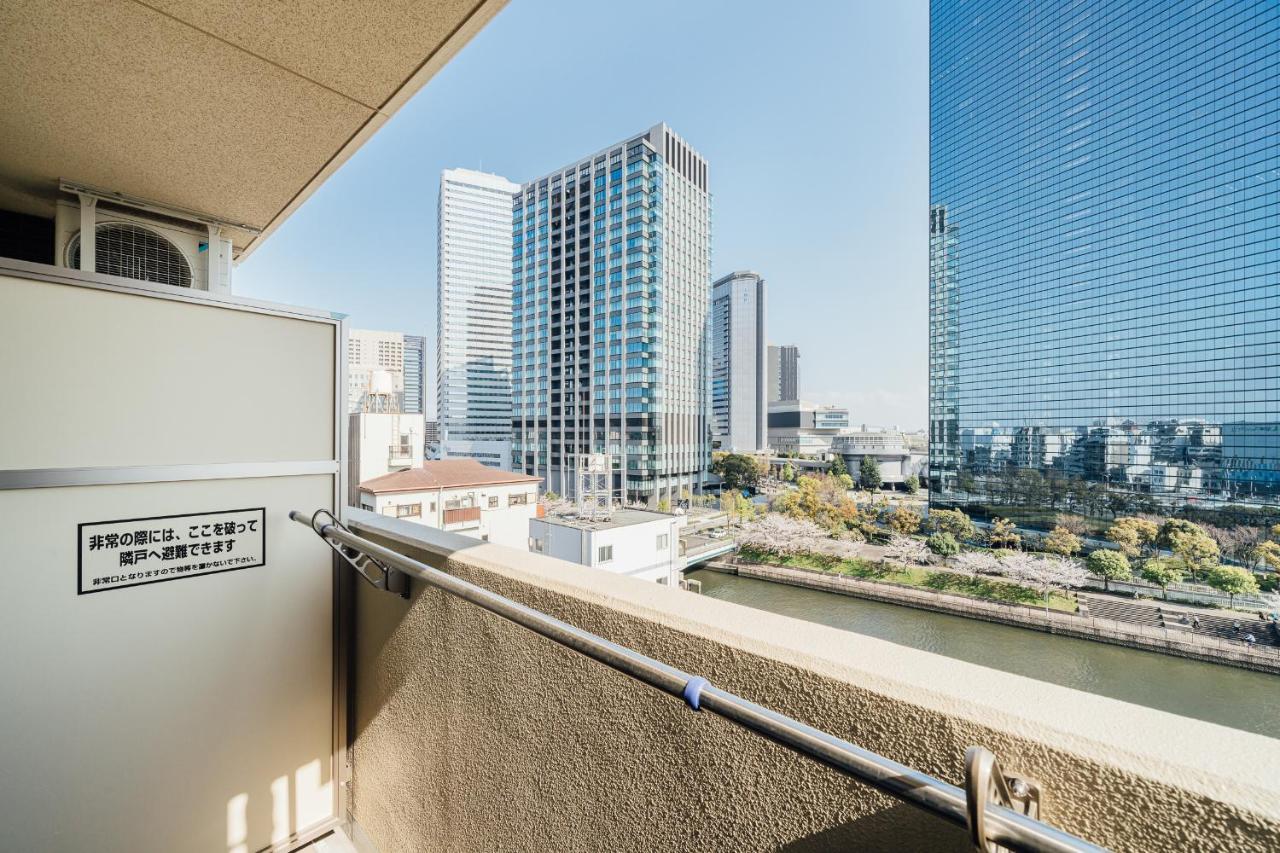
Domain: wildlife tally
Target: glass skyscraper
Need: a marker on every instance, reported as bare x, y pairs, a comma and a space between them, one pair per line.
1105, 258
611, 269
473, 316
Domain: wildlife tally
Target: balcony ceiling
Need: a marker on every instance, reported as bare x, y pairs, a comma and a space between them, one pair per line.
238, 109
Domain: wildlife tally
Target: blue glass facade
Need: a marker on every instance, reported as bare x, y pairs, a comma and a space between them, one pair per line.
1105, 258
596, 306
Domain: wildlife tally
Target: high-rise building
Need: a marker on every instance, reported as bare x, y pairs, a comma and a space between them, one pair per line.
784, 373
1104, 257
375, 371
473, 316
415, 372
739, 400
612, 290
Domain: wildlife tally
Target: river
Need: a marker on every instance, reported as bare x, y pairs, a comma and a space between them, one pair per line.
1238, 698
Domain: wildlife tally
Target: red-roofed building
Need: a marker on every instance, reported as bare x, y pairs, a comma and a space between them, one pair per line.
461, 496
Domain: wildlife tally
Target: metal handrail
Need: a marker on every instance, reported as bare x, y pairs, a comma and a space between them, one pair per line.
1001, 825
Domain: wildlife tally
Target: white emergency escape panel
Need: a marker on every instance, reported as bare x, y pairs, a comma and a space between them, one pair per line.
167, 675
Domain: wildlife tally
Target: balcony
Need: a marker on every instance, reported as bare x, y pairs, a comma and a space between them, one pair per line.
461, 517
401, 456
501, 733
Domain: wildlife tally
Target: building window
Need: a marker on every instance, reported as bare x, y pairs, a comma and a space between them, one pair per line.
604, 553
493, 502
409, 511
517, 500
535, 544
663, 541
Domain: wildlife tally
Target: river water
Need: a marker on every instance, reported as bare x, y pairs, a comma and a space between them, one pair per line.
1233, 697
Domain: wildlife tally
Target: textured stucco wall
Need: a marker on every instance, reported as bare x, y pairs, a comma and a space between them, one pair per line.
474, 734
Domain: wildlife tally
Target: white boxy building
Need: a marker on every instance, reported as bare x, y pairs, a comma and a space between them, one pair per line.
380, 443
461, 496
632, 542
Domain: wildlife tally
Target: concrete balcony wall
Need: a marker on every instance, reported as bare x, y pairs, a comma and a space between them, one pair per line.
472, 733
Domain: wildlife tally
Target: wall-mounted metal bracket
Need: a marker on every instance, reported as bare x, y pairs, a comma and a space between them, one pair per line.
984, 782
379, 575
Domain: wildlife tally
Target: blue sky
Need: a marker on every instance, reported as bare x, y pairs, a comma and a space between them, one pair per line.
813, 117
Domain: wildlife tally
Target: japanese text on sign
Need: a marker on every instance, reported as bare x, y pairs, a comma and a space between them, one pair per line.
115, 554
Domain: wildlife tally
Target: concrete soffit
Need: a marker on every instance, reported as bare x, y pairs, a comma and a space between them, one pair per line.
238, 110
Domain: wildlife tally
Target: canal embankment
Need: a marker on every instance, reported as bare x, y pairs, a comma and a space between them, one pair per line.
1168, 641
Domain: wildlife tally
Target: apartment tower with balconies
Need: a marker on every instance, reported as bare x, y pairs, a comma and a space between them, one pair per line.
611, 295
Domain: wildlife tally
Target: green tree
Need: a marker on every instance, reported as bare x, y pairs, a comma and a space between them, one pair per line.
1162, 572
1062, 542
738, 507
1133, 535
1197, 551
953, 521
1175, 527
943, 544
904, 520
738, 471
1003, 534
912, 484
664, 505
1109, 565
1268, 553
869, 474
837, 467
1233, 581
788, 473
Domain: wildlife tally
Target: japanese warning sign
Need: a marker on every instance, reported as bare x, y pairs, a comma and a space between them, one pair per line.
133, 551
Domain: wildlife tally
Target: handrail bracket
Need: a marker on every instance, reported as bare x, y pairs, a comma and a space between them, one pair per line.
984, 783
378, 574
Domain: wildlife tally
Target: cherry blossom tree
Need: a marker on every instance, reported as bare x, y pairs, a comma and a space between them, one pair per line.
782, 534
976, 563
906, 549
1044, 574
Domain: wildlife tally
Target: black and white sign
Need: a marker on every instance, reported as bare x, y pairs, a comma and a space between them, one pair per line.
133, 551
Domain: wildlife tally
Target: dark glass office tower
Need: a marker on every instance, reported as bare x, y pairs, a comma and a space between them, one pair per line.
1105, 259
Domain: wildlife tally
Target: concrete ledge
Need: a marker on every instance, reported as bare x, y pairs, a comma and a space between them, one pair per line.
1146, 638
474, 734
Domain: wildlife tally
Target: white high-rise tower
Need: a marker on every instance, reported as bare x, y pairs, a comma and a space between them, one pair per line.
739, 399
473, 316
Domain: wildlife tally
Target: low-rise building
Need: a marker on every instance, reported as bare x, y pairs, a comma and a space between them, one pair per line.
633, 542
460, 496
889, 449
797, 427
379, 443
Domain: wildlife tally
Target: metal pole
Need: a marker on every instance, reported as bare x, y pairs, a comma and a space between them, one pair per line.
1005, 826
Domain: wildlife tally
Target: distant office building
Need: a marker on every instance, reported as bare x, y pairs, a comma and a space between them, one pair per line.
432, 433
797, 427
370, 353
631, 542
611, 299
739, 405
1103, 258
473, 316
415, 372
379, 443
460, 496
784, 373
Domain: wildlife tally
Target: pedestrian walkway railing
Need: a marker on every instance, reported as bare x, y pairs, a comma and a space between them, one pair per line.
999, 812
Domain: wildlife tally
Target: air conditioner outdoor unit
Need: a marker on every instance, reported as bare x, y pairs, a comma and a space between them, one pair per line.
146, 246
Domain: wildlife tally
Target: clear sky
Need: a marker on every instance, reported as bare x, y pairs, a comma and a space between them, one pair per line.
813, 117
